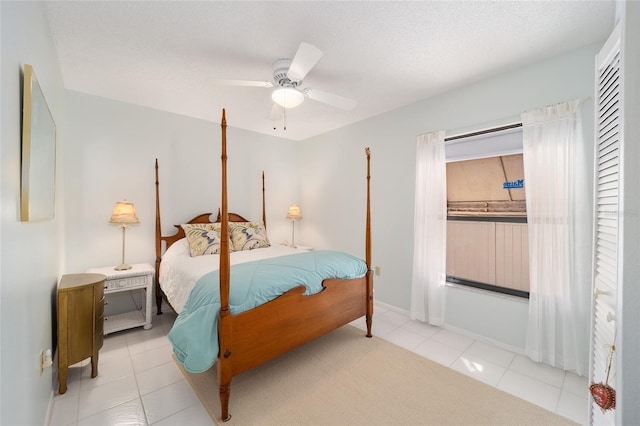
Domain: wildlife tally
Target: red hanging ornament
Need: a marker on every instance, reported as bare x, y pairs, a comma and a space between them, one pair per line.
603, 394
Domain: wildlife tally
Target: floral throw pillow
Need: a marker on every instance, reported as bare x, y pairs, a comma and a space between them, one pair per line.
203, 238
248, 235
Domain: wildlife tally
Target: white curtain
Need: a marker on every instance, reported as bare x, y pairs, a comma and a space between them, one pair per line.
430, 230
559, 215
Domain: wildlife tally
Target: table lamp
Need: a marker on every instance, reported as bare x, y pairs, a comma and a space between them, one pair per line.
293, 214
124, 213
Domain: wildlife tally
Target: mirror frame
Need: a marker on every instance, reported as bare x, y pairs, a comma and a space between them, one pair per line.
38, 187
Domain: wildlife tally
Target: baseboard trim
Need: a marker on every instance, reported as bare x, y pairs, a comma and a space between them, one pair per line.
391, 308
480, 338
475, 336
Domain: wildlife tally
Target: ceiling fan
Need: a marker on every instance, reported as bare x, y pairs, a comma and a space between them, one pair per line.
287, 80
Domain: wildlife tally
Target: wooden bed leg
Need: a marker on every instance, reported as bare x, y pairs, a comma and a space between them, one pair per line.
223, 365
225, 391
158, 304
369, 317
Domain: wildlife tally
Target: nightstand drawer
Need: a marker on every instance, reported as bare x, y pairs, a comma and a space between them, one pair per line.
128, 282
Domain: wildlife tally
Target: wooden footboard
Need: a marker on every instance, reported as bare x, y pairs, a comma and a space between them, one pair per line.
293, 319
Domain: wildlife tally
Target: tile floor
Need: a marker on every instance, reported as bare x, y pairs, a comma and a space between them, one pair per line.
139, 384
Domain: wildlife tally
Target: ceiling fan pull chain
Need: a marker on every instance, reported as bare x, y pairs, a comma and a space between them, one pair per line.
284, 119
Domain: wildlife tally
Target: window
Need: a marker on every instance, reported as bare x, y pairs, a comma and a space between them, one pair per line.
487, 240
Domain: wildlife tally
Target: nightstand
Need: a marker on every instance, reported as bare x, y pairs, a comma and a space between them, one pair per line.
80, 307
139, 278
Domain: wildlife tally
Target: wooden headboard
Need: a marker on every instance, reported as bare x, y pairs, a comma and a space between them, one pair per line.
203, 218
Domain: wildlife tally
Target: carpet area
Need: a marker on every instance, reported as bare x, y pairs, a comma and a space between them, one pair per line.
344, 378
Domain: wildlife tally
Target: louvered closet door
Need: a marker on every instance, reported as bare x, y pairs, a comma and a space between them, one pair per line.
607, 225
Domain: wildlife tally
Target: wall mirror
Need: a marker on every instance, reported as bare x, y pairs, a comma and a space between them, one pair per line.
37, 197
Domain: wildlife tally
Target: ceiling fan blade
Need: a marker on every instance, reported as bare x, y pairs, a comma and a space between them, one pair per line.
306, 57
246, 83
330, 99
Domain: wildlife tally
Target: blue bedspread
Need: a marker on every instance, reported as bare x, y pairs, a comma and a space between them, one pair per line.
194, 335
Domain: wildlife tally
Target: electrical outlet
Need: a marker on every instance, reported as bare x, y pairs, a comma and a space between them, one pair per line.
46, 360
377, 270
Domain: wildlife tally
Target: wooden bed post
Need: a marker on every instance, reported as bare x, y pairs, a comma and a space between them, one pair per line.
158, 246
264, 213
224, 321
369, 317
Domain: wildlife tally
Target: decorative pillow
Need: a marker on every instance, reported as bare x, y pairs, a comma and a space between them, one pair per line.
203, 238
248, 235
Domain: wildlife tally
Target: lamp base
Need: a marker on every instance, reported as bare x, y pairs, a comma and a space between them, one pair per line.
122, 267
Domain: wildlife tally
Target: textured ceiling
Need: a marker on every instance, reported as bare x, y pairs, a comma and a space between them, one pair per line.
165, 55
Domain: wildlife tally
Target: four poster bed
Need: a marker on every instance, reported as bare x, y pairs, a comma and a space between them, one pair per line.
226, 316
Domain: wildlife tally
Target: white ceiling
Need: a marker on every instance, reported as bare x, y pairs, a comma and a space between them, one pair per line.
165, 55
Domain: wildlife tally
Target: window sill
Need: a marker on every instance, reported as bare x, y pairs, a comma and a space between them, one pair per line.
488, 288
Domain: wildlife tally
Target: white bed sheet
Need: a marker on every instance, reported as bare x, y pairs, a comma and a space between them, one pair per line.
179, 271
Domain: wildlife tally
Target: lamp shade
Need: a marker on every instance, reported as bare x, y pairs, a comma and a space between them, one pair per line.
294, 212
124, 212
287, 97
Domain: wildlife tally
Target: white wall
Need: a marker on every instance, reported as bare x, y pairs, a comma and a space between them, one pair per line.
333, 185
110, 156
30, 251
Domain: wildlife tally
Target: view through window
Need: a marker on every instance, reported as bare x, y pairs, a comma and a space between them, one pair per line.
487, 241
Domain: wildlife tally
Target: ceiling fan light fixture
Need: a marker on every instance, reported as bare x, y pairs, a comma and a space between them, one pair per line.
287, 97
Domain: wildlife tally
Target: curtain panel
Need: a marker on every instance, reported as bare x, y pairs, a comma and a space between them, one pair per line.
559, 215
430, 230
